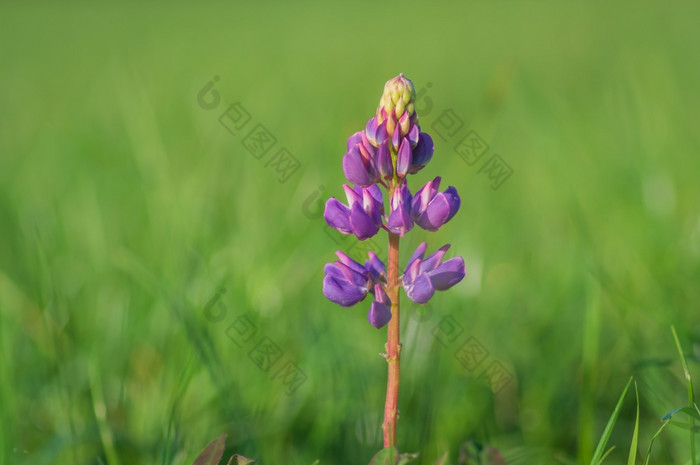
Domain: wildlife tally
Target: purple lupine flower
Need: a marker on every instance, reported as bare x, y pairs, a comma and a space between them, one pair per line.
431, 209
422, 277
400, 221
380, 311
359, 163
363, 214
390, 147
346, 282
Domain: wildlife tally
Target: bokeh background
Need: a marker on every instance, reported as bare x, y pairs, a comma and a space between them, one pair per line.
146, 255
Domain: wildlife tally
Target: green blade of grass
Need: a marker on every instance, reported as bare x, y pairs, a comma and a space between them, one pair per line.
686, 371
608, 452
631, 460
598, 454
653, 438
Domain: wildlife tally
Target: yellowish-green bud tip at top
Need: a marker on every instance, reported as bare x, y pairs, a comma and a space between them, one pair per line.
400, 95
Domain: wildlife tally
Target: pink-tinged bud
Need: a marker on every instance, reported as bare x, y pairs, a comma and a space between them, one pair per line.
391, 122
404, 124
381, 115
411, 108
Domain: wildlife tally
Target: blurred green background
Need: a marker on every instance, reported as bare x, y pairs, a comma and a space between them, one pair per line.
127, 211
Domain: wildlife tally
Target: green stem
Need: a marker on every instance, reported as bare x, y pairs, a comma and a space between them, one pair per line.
393, 345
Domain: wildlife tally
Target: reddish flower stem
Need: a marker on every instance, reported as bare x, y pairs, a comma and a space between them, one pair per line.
393, 345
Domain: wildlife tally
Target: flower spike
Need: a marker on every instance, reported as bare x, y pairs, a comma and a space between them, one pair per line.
389, 148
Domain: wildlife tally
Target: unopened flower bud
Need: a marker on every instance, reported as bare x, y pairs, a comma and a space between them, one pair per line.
400, 95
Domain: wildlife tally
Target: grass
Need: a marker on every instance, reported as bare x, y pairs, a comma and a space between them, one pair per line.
125, 208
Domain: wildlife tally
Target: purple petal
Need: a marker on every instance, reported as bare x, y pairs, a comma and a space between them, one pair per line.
366, 152
418, 254
375, 132
352, 195
411, 272
350, 263
380, 295
422, 153
333, 270
337, 216
402, 196
433, 260
342, 292
363, 226
377, 194
379, 314
413, 135
436, 214
448, 274
374, 265
454, 200
382, 134
372, 207
354, 140
384, 164
403, 159
354, 168
360, 279
395, 139
371, 129
400, 222
420, 290
422, 198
